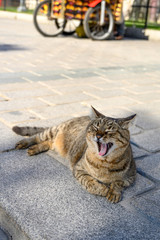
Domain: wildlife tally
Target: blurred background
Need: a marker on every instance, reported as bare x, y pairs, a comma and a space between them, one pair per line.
139, 13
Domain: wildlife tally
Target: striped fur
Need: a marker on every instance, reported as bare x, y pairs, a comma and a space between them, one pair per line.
97, 148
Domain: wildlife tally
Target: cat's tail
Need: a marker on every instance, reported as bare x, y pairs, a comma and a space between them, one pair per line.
27, 131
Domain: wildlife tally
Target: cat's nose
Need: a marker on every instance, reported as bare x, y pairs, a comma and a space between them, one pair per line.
98, 136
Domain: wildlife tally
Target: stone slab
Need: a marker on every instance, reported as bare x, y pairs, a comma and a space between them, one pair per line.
138, 152
148, 140
66, 98
25, 103
14, 117
71, 109
147, 109
44, 199
112, 102
148, 121
149, 205
150, 165
19, 86
146, 97
105, 93
29, 93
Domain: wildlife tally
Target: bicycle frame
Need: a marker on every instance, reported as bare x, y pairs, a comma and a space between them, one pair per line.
103, 7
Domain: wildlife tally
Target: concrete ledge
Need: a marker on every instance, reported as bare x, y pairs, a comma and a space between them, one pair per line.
153, 34
10, 227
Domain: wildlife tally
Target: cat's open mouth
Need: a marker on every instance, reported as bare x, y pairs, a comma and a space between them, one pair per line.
103, 148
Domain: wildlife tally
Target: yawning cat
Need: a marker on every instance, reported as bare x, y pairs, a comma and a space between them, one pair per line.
97, 148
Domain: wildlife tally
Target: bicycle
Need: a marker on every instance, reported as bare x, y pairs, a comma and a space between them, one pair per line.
53, 17
49, 24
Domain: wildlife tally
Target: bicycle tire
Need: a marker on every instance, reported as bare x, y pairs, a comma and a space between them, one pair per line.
43, 19
69, 26
91, 23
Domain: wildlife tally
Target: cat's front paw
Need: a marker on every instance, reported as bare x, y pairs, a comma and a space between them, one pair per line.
113, 196
22, 144
33, 150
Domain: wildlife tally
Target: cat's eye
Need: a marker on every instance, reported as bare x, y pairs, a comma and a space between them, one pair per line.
108, 132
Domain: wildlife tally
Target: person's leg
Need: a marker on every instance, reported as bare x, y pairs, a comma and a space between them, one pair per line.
120, 28
120, 31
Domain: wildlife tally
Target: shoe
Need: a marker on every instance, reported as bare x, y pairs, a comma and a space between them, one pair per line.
119, 37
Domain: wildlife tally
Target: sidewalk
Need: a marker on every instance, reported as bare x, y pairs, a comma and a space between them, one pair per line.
45, 81
131, 32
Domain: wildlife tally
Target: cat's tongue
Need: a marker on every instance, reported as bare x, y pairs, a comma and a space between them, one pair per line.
103, 149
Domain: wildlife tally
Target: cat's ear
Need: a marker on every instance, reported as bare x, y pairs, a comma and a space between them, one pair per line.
125, 123
95, 114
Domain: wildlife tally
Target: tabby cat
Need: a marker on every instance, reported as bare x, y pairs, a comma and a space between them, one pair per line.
97, 148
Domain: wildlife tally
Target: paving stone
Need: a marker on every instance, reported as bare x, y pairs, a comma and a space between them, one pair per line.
148, 121
15, 117
11, 80
149, 140
66, 98
105, 93
59, 82
146, 108
141, 79
20, 105
71, 110
134, 130
29, 93
140, 185
82, 73
147, 97
41, 77
150, 165
45, 122
138, 152
73, 88
141, 89
112, 102
148, 205
9, 75
107, 84
19, 86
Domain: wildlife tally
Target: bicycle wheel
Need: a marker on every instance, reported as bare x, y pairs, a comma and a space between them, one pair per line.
70, 26
43, 21
92, 26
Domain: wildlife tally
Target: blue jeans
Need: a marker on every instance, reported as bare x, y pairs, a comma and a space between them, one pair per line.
120, 29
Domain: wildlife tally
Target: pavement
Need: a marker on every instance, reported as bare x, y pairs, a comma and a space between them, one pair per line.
44, 81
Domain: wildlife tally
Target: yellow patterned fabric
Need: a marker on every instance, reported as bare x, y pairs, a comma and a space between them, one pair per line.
76, 9
116, 7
